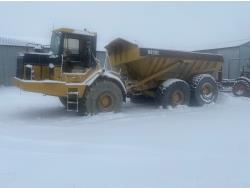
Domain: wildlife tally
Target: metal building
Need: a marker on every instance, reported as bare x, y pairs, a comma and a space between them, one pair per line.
236, 58
9, 50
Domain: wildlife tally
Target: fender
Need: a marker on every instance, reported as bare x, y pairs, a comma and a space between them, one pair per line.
110, 75
243, 78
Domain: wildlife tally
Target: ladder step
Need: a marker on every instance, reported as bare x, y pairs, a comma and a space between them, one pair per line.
72, 102
73, 92
68, 110
72, 98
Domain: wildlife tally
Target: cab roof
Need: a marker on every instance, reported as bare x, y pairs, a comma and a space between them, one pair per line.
74, 31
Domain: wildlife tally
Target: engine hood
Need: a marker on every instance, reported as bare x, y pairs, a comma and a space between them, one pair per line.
35, 58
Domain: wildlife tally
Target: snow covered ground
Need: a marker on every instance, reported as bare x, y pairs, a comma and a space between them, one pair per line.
41, 145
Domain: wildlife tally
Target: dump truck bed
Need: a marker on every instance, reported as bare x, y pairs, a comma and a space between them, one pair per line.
148, 67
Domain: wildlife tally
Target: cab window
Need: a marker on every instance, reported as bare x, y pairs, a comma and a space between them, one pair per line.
72, 45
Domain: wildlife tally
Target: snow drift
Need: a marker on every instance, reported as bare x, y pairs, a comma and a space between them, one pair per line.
42, 145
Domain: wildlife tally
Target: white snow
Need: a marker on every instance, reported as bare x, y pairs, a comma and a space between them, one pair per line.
41, 53
196, 79
51, 65
201, 76
171, 81
40, 81
41, 145
244, 78
29, 66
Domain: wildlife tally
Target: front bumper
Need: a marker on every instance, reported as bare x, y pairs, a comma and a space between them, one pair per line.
48, 87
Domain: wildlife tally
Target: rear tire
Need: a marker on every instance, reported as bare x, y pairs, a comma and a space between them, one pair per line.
174, 92
241, 88
204, 90
101, 96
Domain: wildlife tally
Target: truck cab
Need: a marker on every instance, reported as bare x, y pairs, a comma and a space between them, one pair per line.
71, 71
76, 49
71, 51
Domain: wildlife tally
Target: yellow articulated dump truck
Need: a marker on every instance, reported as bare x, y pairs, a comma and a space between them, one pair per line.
72, 72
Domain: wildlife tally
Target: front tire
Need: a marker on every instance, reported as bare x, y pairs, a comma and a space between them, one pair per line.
102, 96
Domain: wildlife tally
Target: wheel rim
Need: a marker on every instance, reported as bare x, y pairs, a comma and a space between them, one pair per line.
105, 102
207, 92
177, 98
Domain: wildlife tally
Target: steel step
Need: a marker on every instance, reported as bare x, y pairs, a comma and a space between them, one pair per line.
72, 102
72, 94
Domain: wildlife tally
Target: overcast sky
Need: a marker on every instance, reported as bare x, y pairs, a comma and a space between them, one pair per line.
170, 25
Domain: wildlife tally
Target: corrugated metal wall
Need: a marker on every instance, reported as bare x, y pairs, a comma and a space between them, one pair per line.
245, 57
231, 66
235, 58
8, 56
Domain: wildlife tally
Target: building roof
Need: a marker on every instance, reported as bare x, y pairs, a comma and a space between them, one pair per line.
81, 32
15, 42
11, 42
229, 44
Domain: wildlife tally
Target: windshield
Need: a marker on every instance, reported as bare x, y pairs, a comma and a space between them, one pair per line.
55, 43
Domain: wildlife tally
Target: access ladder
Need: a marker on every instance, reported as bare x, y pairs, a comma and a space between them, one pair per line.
72, 100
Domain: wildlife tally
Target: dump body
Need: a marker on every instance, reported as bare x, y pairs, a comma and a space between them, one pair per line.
145, 68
